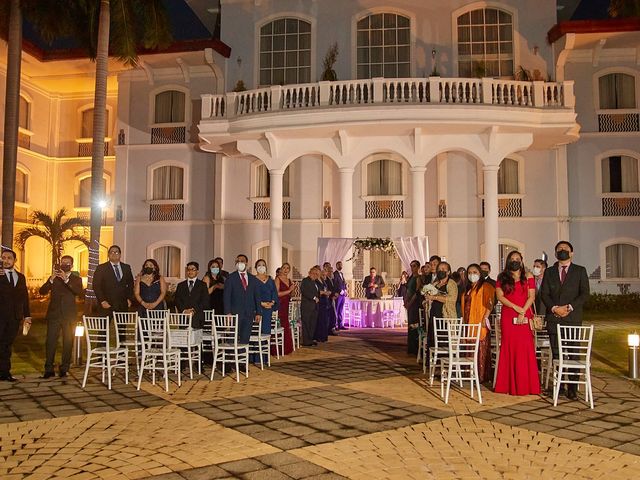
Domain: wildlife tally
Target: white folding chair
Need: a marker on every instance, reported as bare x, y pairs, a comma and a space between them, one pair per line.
422, 335
574, 360
277, 334
346, 312
228, 349
207, 331
294, 323
158, 314
126, 324
440, 349
157, 353
401, 312
462, 361
388, 319
260, 343
496, 341
544, 357
100, 353
188, 339
355, 314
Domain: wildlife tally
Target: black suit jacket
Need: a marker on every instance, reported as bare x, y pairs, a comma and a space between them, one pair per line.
308, 293
62, 303
339, 282
106, 287
378, 282
198, 299
574, 291
14, 301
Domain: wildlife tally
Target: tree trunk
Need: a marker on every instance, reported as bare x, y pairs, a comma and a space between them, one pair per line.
97, 157
11, 120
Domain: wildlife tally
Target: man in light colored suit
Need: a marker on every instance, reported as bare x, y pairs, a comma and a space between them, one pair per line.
241, 298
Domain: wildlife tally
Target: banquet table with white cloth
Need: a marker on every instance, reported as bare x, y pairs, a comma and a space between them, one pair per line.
372, 310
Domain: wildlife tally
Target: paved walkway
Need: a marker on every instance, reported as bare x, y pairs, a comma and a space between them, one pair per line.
357, 407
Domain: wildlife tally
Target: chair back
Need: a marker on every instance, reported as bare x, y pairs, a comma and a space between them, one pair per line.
275, 320
158, 314
256, 329
96, 331
180, 330
126, 324
464, 340
574, 343
226, 329
207, 328
388, 316
496, 330
153, 333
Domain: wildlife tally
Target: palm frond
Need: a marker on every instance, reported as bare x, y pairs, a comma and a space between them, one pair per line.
152, 16
75, 237
122, 33
25, 234
73, 222
38, 217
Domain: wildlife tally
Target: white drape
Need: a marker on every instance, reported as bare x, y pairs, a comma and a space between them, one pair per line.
333, 250
384, 177
622, 261
412, 248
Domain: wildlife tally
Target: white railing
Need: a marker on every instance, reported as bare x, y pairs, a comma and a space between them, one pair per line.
432, 90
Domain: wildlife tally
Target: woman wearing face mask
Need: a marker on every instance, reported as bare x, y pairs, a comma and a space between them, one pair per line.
268, 298
150, 288
476, 304
215, 284
517, 367
284, 285
443, 304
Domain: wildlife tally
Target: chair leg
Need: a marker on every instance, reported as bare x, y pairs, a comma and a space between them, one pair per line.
141, 372
477, 378
166, 373
495, 369
446, 397
126, 367
557, 381
433, 360
589, 390
260, 350
199, 360
238, 366
86, 370
179, 372
190, 359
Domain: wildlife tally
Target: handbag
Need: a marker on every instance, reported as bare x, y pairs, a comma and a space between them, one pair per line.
537, 322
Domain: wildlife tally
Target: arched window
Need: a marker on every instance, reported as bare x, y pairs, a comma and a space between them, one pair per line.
263, 183
24, 114
285, 52
263, 253
384, 46
87, 123
622, 261
385, 262
169, 261
22, 186
616, 91
170, 107
485, 43
83, 198
168, 183
508, 179
620, 174
384, 177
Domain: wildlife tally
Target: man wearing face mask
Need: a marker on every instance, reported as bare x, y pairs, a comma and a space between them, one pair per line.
64, 287
485, 271
539, 266
241, 298
564, 290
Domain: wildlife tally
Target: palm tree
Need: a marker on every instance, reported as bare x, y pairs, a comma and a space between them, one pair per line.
624, 8
56, 231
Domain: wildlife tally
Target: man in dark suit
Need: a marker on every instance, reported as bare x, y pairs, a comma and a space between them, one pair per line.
340, 285
14, 306
485, 271
564, 291
62, 314
113, 284
310, 296
372, 285
331, 307
241, 298
192, 296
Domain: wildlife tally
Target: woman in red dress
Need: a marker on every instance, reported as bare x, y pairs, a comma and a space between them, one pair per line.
517, 367
285, 286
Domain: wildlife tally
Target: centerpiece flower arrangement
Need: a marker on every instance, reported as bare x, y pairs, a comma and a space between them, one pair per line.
430, 289
371, 243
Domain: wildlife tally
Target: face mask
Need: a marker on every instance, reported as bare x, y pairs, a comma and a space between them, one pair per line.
241, 266
562, 255
485, 274
147, 270
514, 265
537, 271
261, 269
215, 270
474, 277
441, 275
65, 268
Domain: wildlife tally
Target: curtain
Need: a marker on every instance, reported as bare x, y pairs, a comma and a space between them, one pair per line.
23, 115
620, 174
617, 90
87, 123
412, 248
333, 250
170, 107
263, 182
168, 259
386, 262
508, 177
168, 183
21, 187
629, 167
622, 261
384, 177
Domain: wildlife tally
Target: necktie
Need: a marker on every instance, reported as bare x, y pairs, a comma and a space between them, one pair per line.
11, 278
563, 274
117, 270
244, 280
190, 285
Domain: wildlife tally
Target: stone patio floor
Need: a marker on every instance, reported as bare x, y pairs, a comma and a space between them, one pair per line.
356, 407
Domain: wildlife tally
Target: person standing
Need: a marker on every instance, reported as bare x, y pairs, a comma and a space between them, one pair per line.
113, 284
322, 325
539, 267
214, 279
268, 301
192, 296
150, 288
62, 314
14, 301
517, 367
310, 296
372, 285
412, 302
485, 271
443, 303
331, 307
341, 288
564, 291
223, 272
241, 298
284, 287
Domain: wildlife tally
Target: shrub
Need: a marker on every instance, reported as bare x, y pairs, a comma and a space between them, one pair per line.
608, 302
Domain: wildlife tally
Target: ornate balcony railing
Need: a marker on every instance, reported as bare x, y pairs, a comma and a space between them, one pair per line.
619, 121
85, 149
175, 134
432, 90
262, 210
384, 209
508, 207
166, 212
621, 207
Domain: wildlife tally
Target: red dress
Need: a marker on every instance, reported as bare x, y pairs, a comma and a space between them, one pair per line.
517, 367
283, 314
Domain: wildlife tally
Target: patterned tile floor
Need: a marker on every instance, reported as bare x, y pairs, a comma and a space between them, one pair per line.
356, 407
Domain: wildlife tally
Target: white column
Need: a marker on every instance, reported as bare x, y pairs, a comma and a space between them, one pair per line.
275, 224
346, 213
490, 173
562, 193
418, 201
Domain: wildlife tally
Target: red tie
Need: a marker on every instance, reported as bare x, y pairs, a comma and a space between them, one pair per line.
244, 280
563, 273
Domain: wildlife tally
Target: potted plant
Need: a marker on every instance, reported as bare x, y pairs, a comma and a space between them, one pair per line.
328, 73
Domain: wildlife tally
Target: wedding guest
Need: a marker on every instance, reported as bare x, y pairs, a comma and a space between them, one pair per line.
477, 303
267, 299
539, 267
517, 367
214, 279
113, 284
341, 287
192, 296
223, 272
402, 285
432, 269
322, 326
485, 271
310, 296
150, 288
412, 302
241, 298
442, 304
331, 307
284, 287
372, 285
